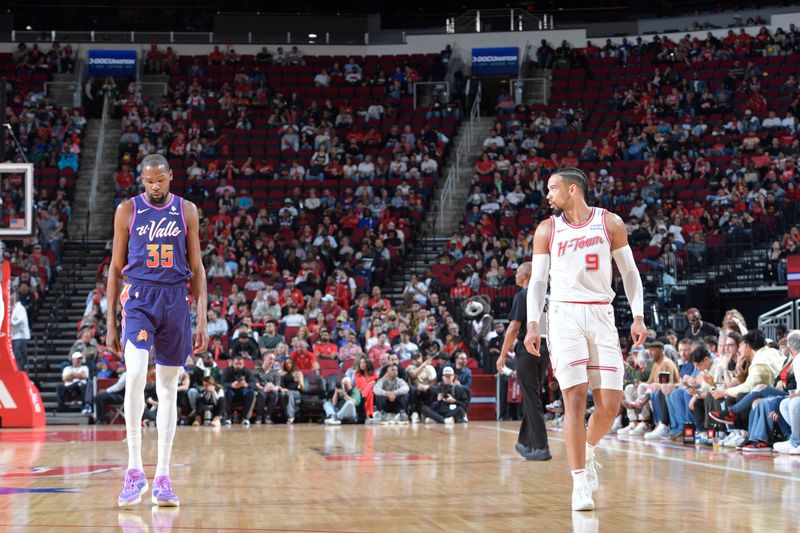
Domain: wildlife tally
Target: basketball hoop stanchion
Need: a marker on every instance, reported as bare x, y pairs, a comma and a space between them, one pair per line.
20, 403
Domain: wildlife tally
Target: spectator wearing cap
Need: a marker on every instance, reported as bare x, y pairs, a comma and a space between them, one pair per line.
343, 405
448, 401
697, 329
637, 395
239, 386
73, 382
245, 347
271, 338
391, 397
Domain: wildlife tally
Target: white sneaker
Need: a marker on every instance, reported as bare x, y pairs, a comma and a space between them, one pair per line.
786, 448
738, 441
465, 420
554, 406
730, 438
627, 429
616, 426
449, 421
415, 418
428, 420
246, 423
660, 431
591, 474
582, 498
639, 430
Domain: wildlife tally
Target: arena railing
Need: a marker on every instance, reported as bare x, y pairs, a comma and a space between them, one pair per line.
461, 157
175, 37
786, 315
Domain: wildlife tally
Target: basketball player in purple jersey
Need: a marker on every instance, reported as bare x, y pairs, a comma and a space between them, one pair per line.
157, 250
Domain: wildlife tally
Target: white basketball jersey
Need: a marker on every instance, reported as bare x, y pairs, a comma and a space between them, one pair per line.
580, 260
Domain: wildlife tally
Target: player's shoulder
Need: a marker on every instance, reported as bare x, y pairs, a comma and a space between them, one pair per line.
125, 207
612, 219
545, 226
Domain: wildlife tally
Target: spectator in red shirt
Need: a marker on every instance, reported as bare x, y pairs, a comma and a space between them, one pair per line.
377, 298
324, 348
460, 291
303, 359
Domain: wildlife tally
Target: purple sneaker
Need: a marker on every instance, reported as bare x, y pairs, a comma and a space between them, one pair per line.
135, 485
162, 492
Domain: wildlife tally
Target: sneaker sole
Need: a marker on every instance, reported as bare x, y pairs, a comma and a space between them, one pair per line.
164, 503
588, 506
138, 500
720, 420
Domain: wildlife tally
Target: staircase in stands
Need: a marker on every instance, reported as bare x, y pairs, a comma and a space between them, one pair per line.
55, 330
422, 256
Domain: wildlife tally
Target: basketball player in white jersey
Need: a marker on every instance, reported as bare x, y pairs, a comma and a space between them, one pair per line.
574, 248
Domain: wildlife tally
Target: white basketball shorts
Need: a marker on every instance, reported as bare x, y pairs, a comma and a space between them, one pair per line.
584, 345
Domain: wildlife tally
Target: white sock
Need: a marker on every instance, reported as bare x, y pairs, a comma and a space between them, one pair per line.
167, 415
578, 477
589, 452
135, 379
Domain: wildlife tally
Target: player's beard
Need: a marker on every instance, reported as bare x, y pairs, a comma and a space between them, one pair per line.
160, 201
557, 212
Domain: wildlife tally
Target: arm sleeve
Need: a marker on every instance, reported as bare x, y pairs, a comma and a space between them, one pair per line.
377, 389
630, 279
537, 289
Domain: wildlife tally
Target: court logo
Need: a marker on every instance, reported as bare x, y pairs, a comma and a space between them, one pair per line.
142, 335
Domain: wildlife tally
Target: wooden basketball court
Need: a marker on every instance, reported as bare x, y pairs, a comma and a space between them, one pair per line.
396, 478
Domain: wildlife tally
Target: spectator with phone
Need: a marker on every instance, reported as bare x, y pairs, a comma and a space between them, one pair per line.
239, 386
343, 405
663, 377
210, 403
449, 400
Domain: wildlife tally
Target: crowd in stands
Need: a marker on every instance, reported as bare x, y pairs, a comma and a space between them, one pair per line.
692, 142
730, 385
308, 197
50, 137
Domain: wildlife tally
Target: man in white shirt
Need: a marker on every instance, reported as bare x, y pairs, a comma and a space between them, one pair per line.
20, 331
323, 79
293, 318
494, 141
216, 325
428, 166
366, 169
772, 121
73, 382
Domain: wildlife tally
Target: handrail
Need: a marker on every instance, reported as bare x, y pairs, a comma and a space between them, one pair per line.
454, 175
787, 315
98, 158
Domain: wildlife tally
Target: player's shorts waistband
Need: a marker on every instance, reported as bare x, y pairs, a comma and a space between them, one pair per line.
156, 284
580, 303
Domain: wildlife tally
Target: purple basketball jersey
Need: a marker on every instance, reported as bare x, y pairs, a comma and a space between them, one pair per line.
157, 243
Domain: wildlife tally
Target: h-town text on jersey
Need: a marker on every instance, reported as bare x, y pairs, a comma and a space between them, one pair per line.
579, 243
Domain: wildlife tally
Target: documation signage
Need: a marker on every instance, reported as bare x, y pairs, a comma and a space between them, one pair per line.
117, 63
495, 61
